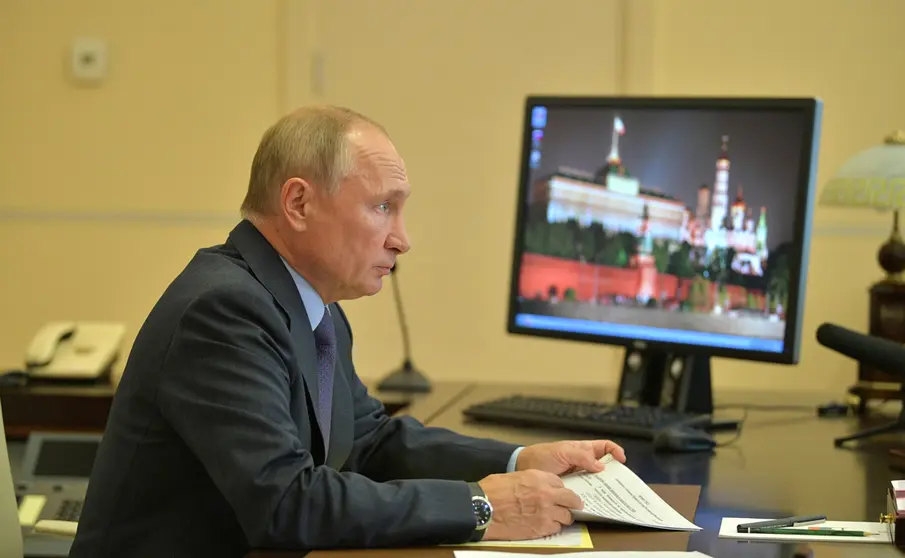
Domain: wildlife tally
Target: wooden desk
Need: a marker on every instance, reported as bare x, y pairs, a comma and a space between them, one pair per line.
604, 537
784, 463
52, 406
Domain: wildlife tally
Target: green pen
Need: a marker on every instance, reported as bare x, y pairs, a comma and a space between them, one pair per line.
818, 532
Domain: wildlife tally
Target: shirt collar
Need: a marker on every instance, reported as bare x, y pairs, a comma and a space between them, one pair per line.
314, 304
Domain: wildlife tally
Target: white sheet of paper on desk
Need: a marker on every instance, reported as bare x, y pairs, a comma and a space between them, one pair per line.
592, 554
618, 495
729, 530
571, 536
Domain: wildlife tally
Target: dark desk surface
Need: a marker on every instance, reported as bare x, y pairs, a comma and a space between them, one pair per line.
784, 463
604, 537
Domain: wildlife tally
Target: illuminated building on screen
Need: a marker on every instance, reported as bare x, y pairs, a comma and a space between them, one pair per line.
618, 201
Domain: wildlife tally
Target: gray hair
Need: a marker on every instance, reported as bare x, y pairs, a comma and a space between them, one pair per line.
309, 143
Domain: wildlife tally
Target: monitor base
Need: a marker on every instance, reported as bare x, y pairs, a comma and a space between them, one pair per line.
675, 381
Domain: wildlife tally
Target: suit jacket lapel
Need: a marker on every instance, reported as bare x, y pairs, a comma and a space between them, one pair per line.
267, 266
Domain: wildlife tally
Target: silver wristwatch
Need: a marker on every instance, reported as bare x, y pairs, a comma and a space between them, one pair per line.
483, 511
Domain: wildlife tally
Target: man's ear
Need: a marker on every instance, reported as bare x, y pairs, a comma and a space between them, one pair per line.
295, 202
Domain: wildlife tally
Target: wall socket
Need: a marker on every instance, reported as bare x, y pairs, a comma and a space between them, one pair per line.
89, 60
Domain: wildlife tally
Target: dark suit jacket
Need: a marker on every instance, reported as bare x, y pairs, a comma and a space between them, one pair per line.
213, 447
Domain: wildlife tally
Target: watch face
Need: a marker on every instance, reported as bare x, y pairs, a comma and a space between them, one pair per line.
482, 511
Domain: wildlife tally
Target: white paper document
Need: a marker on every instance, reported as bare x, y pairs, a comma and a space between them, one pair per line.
618, 495
592, 554
729, 530
571, 536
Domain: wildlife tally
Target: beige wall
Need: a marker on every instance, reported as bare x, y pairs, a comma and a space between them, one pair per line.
105, 192
842, 51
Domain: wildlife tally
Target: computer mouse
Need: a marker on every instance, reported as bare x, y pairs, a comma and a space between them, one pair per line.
683, 438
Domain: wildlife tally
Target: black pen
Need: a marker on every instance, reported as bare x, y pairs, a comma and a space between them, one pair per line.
794, 521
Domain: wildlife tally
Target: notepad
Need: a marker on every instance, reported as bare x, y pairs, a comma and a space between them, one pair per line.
571, 536
729, 530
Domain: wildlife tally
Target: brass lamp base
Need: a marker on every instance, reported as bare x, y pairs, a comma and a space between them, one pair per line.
891, 255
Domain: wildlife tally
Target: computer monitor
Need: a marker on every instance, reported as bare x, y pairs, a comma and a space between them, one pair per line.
676, 227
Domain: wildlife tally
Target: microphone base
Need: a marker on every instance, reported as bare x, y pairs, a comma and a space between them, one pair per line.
897, 426
406, 379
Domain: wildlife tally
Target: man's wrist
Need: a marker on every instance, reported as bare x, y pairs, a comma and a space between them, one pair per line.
513, 460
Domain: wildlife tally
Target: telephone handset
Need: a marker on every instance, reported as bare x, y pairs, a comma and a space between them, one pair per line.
74, 350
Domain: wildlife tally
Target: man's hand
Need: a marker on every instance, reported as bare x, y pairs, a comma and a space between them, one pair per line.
528, 505
561, 458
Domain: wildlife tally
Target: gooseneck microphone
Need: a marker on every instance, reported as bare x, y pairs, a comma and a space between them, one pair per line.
879, 353
406, 378
400, 315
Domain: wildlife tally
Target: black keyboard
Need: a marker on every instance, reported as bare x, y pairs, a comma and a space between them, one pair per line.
585, 416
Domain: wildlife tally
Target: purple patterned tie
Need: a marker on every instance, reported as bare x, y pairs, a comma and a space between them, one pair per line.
325, 340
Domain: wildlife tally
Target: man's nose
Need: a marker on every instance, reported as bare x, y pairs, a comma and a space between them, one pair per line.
398, 239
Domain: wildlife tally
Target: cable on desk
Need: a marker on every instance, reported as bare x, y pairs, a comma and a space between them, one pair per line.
738, 431
760, 407
829, 409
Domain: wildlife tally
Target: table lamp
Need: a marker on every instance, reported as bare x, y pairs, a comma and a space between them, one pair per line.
875, 179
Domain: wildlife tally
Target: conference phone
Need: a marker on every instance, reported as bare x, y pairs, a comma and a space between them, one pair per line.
52, 486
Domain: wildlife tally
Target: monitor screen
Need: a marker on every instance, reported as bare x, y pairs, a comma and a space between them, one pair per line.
65, 458
678, 222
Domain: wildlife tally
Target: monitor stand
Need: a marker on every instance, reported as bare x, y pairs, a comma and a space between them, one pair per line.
675, 381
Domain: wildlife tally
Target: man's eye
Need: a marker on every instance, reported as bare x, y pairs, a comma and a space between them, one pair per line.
385, 207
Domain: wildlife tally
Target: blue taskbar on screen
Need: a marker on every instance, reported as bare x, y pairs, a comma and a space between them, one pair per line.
645, 333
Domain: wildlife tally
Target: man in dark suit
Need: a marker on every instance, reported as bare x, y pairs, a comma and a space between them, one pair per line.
240, 422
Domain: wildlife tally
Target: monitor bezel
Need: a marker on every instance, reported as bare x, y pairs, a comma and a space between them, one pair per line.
809, 107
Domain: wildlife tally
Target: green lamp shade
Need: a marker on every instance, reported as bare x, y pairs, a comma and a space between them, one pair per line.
874, 178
